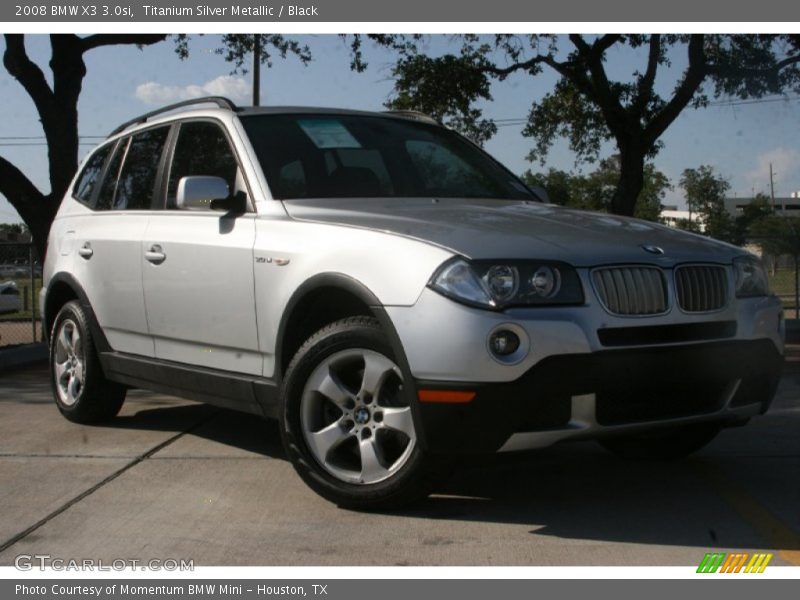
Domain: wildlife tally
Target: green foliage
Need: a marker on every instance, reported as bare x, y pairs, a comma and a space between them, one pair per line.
705, 195
596, 190
237, 48
777, 235
688, 225
752, 214
17, 228
587, 107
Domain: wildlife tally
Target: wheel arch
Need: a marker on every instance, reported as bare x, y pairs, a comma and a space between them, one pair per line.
344, 296
63, 288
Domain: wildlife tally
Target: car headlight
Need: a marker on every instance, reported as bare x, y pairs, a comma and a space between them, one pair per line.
502, 284
751, 277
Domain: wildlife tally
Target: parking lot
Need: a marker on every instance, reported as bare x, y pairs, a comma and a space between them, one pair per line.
174, 479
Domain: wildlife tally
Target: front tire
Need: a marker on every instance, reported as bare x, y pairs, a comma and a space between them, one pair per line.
662, 444
347, 424
81, 391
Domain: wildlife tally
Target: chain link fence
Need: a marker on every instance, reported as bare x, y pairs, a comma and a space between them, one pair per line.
781, 257
783, 280
20, 282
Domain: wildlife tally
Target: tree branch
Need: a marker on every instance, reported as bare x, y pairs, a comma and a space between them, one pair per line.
520, 66
645, 86
111, 39
609, 104
744, 72
692, 79
17, 188
24, 70
605, 42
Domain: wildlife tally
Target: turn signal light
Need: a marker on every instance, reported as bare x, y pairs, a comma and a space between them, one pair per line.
446, 396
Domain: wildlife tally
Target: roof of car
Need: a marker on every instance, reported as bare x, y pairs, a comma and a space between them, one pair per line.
224, 104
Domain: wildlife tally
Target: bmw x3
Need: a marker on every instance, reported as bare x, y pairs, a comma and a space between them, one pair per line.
393, 296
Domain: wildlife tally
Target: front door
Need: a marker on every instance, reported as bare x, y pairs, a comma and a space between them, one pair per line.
198, 270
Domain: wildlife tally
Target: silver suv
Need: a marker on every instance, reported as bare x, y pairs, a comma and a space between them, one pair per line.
392, 295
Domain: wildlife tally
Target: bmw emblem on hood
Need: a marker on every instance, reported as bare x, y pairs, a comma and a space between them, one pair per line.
653, 249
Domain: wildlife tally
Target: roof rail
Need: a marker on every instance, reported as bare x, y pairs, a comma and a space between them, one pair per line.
220, 101
414, 115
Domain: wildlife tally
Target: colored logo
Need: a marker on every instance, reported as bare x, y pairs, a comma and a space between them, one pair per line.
739, 562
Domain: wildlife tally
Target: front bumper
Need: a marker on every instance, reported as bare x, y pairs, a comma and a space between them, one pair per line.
581, 396
586, 373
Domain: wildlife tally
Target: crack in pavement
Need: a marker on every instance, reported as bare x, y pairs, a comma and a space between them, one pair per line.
88, 492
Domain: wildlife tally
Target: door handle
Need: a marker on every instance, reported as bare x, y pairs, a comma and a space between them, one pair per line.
86, 251
155, 255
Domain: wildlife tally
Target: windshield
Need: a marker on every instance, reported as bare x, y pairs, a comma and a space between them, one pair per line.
346, 156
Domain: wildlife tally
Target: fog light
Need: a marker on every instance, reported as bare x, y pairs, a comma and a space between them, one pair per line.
503, 342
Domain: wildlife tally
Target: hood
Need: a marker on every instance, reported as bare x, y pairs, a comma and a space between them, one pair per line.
500, 229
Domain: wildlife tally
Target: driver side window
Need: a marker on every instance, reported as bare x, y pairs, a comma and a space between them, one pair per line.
201, 149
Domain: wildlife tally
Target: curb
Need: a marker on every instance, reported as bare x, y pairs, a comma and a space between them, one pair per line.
22, 356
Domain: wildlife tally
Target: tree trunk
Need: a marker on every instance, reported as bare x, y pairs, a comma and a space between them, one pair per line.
631, 180
57, 105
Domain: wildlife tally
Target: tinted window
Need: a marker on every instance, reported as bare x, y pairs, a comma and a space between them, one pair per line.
105, 199
88, 178
439, 168
329, 156
202, 149
137, 180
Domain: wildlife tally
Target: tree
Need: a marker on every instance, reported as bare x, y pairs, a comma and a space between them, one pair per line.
753, 213
255, 49
705, 195
779, 236
596, 190
57, 105
558, 184
587, 106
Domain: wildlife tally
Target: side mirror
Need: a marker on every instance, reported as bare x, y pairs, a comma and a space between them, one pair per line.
541, 193
197, 192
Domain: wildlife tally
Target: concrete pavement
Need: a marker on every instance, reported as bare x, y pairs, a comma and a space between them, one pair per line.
174, 479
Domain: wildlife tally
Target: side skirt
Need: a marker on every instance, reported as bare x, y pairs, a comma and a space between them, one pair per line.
255, 395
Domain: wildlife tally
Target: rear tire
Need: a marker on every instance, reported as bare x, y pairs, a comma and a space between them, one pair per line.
662, 444
80, 389
346, 420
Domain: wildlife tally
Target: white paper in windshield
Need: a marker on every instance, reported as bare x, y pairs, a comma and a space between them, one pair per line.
328, 133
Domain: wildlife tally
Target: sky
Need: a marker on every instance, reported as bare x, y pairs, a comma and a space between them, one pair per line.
739, 141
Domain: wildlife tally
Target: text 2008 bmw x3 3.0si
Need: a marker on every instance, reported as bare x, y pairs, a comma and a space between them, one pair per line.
393, 296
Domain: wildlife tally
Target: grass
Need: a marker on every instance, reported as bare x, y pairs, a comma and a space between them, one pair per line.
782, 283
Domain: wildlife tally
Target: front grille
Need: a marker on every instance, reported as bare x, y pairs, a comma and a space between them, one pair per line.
629, 291
701, 288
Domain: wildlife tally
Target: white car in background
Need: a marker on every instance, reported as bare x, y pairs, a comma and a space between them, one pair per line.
9, 298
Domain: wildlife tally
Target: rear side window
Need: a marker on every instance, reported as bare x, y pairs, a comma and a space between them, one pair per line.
105, 199
87, 180
137, 179
202, 149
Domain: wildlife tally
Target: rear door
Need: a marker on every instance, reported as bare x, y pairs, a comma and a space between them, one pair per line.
199, 291
108, 241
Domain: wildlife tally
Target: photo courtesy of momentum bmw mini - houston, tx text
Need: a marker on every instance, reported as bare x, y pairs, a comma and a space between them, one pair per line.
317, 299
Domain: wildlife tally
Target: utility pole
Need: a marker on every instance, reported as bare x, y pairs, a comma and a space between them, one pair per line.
257, 71
772, 186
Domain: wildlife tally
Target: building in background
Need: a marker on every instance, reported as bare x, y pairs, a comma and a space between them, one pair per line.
788, 206
671, 216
